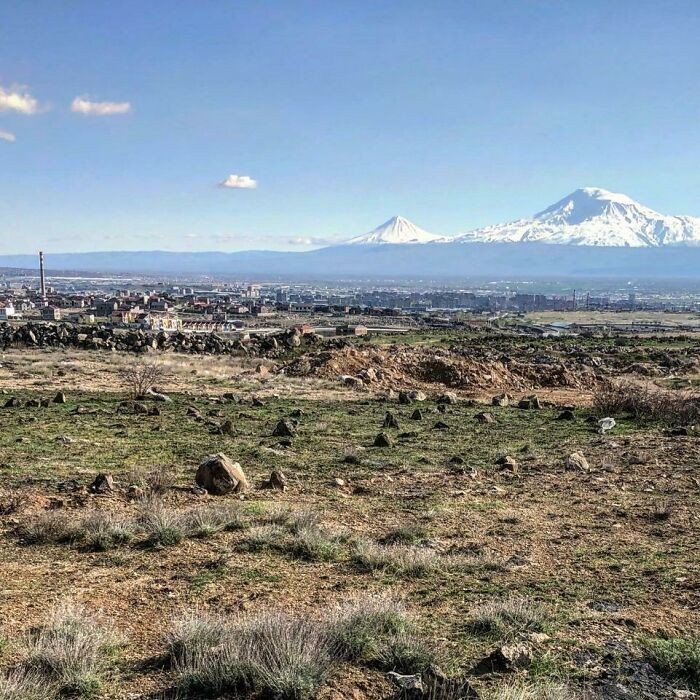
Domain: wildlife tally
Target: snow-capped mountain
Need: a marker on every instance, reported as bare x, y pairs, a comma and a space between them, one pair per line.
594, 217
396, 230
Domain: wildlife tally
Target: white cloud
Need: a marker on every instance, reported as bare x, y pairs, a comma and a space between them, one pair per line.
17, 99
239, 182
83, 105
7, 136
311, 240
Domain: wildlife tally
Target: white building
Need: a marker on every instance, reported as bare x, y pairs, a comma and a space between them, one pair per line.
7, 312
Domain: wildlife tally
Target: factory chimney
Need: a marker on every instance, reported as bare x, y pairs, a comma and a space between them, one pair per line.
41, 274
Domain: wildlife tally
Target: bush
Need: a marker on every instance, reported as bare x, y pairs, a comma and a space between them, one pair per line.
49, 527
163, 526
534, 691
678, 658
413, 534
361, 626
210, 519
264, 537
317, 544
271, 653
399, 559
102, 530
507, 618
20, 685
647, 402
71, 650
140, 376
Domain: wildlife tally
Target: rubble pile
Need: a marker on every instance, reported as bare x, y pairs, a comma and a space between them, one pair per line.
66, 335
393, 367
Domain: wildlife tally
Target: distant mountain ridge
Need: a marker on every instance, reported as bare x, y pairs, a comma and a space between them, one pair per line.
590, 216
590, 233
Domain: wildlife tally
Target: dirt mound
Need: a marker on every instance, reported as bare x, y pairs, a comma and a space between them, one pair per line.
395, 367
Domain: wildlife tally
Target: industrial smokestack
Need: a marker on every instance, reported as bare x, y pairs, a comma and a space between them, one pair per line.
41, 274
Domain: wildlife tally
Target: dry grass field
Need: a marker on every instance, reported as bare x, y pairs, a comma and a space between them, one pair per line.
532, 578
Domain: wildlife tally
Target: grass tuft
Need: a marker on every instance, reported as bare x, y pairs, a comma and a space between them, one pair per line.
677, 658
505, 619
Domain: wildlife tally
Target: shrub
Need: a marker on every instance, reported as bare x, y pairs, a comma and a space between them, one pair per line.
317, 544
546, 690
300, 520
271, 653
194, 633
49, 527
413, 534
507, 618
677, 658
102, 530
209, 519
399, 559
647, 402
360, 626
71, 651
20, 685
264, 537
405, 653
163, 526
140, 376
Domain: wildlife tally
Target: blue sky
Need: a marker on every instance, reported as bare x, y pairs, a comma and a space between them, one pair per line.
452, 114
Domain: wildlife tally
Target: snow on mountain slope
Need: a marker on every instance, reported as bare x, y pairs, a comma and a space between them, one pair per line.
595, 217
396, 230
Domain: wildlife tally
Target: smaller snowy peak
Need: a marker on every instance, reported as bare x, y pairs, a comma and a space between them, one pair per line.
396, 230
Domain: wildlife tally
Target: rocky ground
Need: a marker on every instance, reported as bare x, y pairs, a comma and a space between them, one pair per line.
525, 554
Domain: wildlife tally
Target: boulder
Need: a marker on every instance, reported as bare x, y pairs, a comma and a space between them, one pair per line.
219, 475
485, 417
530, 402
566, 414
577, 462
449, 397
12, 402
59, 398
500, 400
227, 428
441, 426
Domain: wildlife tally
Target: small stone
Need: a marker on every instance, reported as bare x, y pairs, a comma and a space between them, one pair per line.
500, 400
284, 428
390, 421
441, 426
507, 463
566, 414
417, 415
577, 462
59, 398
278, 480
103, 483
485, 417
449, 397
382, 440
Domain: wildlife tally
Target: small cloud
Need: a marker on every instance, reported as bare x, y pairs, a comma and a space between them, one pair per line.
311, 240
225, 238
17, 99
7, 136
239, 182
83, 105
